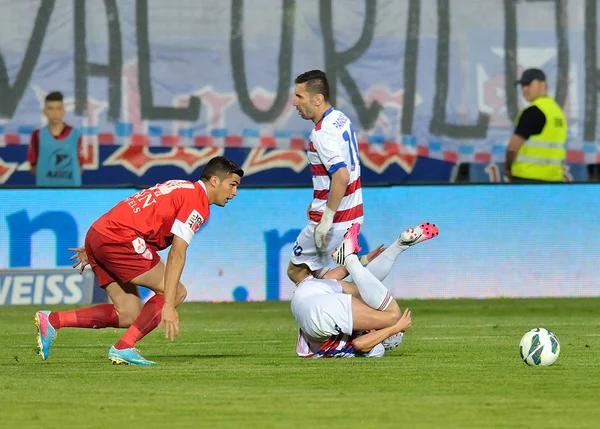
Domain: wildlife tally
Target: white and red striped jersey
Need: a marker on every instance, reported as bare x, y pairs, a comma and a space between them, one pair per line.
339, 346
332, 146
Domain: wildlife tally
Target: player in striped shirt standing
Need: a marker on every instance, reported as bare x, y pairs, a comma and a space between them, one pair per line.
335, 167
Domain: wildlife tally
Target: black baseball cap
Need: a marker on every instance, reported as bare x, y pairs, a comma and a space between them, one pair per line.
530, 75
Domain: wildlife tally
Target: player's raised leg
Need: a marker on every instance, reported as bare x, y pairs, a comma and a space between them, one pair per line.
373, 292
382, 265
381, 262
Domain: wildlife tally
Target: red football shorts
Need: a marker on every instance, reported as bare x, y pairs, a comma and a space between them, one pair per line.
117, 261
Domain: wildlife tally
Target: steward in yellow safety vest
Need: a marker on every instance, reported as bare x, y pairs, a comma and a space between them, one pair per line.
536, 151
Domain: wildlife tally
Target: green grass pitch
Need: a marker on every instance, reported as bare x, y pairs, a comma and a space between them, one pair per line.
234, 365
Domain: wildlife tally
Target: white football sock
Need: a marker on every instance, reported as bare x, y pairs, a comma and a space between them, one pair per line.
382, 265
372, 291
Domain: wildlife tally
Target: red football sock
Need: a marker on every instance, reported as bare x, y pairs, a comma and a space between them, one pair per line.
147, 320
98, 316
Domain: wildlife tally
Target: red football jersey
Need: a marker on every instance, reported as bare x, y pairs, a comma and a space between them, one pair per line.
175, 207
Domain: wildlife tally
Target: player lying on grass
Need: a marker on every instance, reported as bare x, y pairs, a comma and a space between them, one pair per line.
338, 318
121, 248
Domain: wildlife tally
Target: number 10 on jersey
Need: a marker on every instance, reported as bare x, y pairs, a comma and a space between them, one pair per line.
350, 138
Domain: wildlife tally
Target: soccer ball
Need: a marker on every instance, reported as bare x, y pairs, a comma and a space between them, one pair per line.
539, 347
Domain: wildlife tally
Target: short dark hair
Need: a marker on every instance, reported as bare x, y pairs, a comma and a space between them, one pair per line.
54, 96
221, 167
316, 82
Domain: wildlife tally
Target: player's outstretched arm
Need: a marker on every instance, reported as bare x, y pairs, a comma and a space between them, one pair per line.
173, 270
365, 343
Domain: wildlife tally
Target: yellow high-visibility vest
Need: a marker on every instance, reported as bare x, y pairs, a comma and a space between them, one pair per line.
541, 157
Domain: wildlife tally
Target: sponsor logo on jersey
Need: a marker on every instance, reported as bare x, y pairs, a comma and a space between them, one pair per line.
194, 221
139, 245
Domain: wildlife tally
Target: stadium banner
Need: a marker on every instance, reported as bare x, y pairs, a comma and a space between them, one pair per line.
422, 75
143, 166
495, 240
25, 286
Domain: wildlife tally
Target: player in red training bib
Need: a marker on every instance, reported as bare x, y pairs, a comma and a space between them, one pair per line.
121, 248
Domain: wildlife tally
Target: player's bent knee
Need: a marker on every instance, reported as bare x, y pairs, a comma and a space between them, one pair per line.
181, 294
394, 310
387, 319
392, 314
395, 317
128, 314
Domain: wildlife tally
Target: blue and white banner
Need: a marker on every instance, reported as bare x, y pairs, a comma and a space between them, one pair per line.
495, 240
434, 77
23, 286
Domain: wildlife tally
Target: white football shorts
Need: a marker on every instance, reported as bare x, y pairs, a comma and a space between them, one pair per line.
305, 251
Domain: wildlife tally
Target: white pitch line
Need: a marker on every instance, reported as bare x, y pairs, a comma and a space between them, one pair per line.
198, 343
501, 325
466, 337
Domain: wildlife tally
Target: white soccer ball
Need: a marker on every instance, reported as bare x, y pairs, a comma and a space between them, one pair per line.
539, 347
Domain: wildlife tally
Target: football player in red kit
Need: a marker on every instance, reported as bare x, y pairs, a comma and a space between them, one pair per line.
121, 248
